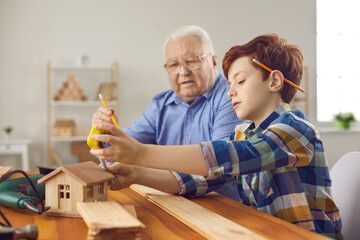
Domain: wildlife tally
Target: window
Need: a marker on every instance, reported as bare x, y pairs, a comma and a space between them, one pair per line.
90, 192
338, 48
101, 188
64, 191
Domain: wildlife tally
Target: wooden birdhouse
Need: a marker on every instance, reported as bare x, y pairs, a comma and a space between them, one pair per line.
64, 128
70, 184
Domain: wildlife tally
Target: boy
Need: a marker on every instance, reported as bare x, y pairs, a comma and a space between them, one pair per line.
277, 159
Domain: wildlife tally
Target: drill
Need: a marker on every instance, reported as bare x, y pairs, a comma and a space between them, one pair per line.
29, 232
18, 193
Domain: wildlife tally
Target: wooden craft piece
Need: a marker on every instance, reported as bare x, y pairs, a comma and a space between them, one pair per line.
109, 220
107, 91
70, 91
4, 170
207, 223
64, 128
70, 184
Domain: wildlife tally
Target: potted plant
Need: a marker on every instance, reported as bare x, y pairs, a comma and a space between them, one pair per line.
344, 120
8, 131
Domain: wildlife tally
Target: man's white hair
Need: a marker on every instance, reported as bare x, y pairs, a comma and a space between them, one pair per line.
188, 31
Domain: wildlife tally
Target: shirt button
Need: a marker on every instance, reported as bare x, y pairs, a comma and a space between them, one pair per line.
187, 137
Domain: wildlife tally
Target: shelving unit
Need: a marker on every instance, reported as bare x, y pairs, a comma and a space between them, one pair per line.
89, 80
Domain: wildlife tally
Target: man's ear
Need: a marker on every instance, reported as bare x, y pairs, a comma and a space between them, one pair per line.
214, 60
276, 81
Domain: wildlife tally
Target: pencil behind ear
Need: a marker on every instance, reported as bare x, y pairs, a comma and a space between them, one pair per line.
276, 81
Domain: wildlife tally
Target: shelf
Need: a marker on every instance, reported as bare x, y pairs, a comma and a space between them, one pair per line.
73, 82
65, 68
69, 139
81, 103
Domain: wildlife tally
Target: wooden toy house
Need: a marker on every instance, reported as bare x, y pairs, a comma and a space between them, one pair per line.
64, 128
70, 184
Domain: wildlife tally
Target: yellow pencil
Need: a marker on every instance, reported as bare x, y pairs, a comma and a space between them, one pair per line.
286, 80
112, 116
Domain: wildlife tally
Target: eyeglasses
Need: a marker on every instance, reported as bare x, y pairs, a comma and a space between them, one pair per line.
190, 64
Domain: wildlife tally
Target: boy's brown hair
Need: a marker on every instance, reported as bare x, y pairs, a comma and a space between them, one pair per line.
275, 53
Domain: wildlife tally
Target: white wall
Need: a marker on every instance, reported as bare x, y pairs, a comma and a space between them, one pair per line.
131, 32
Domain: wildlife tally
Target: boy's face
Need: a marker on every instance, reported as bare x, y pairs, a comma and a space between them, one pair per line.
250, 94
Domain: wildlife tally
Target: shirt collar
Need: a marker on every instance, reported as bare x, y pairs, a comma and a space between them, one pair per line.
176, 100
251, 130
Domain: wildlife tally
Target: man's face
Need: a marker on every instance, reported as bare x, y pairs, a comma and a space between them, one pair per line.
188, 85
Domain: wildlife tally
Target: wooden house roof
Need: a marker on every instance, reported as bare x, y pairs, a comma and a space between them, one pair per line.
86, 173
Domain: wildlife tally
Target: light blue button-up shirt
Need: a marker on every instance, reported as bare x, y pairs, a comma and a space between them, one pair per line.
171, 121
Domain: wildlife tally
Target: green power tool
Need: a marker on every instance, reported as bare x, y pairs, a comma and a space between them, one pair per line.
18, 193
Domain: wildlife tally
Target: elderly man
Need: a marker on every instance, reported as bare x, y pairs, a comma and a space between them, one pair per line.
195, 110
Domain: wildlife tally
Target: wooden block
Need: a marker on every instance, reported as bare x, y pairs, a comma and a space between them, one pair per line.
75, 85
103, 91
4, 170
113, 87
70, 78
99, 91
79, 91
68, 91
75, 98
207, 223
106, 92
109, 220
64, 97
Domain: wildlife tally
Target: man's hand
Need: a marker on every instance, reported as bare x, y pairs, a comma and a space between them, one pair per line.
125, 175
103, 115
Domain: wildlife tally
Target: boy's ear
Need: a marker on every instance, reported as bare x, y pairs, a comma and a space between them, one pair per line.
276, 81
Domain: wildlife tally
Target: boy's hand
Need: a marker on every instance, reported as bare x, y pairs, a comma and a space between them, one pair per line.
103, 114
125, 175
123, 148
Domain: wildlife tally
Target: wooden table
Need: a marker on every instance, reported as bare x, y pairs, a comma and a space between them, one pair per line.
159, 224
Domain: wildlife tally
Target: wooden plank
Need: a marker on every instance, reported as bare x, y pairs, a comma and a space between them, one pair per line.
207, 223
109, 219
4, 170
131, 211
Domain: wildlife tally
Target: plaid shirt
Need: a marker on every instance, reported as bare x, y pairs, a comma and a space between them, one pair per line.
280, 168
